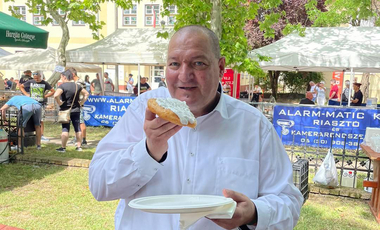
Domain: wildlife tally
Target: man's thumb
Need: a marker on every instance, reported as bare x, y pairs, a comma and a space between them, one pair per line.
236, 196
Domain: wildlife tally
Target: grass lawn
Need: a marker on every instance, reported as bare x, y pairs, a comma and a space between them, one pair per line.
55, 197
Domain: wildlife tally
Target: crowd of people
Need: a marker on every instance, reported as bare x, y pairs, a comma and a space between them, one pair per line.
72, 93
317, 94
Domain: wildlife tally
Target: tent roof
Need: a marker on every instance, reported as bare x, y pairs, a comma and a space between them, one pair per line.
325, 49
38, 59
4, 53
124, 46
17, 33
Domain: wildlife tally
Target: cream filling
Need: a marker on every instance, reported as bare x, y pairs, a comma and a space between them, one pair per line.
179, 108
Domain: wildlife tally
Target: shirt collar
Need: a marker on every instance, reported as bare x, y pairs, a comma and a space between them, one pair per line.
221, 107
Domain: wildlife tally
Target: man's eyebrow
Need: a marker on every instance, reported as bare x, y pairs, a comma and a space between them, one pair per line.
193, 57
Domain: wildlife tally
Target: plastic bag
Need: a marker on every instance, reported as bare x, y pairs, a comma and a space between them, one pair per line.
327, 173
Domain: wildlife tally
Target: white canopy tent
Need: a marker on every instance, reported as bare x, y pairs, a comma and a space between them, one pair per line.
39, 59
354, 49
4, 53
124, 46
133, 46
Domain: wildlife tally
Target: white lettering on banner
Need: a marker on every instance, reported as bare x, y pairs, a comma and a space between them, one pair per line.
115, 108
334, 114
376, 116
120, 100
337, 123
24, 37
96, 100
327, 134
107, 117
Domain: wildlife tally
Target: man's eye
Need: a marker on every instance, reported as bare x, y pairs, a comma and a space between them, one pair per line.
199, 63
174, 64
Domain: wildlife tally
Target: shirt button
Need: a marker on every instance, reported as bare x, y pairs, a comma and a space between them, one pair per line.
192, 154
188, 180
155, 169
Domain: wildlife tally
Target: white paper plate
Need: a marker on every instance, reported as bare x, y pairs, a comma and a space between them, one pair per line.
179, 203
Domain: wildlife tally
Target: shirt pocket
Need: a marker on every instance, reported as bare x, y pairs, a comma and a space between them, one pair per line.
240, 175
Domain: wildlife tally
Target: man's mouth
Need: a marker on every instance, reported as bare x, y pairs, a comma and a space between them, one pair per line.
187, 88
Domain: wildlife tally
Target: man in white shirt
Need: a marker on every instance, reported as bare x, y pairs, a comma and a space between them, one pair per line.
312, 90
108, 84
234, 150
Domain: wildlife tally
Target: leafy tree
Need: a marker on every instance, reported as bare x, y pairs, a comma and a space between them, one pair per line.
227, 19
298, 82
286, 17
85, 11
352, 12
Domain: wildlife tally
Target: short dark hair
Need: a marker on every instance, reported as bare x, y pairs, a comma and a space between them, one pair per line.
73, 70
214, 40
68, 74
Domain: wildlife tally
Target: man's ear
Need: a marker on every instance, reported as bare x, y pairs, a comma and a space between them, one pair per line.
221, 65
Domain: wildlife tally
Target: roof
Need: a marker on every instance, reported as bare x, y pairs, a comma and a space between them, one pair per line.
40, 59
325, 49
125, 46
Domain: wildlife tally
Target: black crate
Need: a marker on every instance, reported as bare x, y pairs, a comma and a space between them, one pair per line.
301, 177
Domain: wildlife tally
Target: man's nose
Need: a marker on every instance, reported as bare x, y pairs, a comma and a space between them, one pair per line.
186, 73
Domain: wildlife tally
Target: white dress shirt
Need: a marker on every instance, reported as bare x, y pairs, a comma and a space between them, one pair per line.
233, 147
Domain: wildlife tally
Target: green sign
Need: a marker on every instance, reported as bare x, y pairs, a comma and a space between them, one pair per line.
17, 33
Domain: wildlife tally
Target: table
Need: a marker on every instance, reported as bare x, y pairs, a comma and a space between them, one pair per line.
374, 203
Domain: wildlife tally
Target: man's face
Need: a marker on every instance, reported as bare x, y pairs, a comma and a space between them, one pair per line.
37, 77
311, 83
143, 80
193, 71
106, 75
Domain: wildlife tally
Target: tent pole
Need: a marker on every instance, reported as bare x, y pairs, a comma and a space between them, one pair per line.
138, 79
351, 79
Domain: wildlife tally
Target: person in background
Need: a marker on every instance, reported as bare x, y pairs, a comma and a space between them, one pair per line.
358, 96
145, 155
6, 83
31, 109
83, 127
334, 93
321, 93
10, 83
108, 84
39, 90
346, 91
67, 94
135, 92
24, 78
88, 84
308, 100
256, 94
130, 83
162, 82
96, 85
144, 86
312, 90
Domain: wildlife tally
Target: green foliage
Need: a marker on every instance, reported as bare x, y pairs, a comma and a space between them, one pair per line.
233, 42
85, 11
298, 82
344, 11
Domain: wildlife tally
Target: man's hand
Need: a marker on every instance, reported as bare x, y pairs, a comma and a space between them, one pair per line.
158, 131
245, 211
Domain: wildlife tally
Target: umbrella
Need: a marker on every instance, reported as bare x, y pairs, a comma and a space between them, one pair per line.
17, 33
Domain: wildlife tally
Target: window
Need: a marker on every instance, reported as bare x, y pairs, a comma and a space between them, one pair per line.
130, 16
157, 71
173, 11
62, 14
79, 23
20, 10
37, 17
150, 11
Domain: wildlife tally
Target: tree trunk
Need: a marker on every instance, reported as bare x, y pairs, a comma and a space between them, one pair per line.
61, 51
365, 86
216, 17
273, 77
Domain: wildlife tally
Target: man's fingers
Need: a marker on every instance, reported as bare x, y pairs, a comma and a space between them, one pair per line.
236, 196
149, 115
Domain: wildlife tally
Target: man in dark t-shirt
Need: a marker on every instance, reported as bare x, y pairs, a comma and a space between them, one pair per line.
37, 89
143, 85
358, 96
24, 78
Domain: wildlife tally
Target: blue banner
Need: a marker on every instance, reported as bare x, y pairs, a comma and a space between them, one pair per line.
105, 110
315, 126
